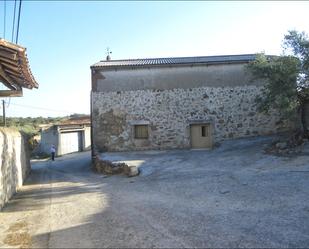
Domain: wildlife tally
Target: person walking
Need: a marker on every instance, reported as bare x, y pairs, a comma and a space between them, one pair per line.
53, 152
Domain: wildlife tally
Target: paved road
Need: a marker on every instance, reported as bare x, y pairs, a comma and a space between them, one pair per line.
56, 206
233, 196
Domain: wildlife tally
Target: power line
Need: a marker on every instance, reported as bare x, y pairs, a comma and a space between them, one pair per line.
18, 20
14, 20
41, 108
4, 18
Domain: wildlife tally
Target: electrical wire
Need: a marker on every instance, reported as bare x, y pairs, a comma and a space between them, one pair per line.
4, 31
4, 18
14, 21
18, 21
41, 108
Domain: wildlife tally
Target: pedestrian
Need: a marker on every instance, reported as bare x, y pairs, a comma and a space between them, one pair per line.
53, 151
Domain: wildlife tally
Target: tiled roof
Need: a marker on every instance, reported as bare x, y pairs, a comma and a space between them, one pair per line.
221, 59
73, 121
68, 123
15, 72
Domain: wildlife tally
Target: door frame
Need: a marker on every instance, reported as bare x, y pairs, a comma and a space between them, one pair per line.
201, 123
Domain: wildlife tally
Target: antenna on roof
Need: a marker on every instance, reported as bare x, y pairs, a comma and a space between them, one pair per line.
108, 54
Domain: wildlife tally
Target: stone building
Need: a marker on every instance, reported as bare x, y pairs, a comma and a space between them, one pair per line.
167, 103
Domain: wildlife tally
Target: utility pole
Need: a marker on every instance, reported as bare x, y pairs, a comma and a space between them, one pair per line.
3, 116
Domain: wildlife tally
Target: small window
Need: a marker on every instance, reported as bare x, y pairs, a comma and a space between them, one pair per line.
205, 131
141, 131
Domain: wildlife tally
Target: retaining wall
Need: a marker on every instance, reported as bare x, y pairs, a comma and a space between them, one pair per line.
14, 163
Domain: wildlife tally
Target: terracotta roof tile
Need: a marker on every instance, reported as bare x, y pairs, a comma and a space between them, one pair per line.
15, 71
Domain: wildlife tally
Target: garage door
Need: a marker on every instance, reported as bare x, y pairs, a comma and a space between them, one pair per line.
70, 142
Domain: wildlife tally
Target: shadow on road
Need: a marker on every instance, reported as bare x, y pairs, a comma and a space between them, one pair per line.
222, 198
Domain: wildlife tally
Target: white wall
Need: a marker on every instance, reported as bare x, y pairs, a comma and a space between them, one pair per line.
87, 138
14, 163
49, 137
53, 136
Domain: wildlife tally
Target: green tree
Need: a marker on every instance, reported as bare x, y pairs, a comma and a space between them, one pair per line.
297, 44
286, 78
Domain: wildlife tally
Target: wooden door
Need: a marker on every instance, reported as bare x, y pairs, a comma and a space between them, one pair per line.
201, 136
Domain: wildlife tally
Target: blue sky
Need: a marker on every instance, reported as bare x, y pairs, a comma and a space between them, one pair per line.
63, 38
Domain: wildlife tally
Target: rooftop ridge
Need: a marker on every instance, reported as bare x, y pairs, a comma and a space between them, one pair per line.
177, 57
209, 59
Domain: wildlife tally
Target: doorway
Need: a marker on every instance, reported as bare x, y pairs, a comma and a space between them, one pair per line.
201, 136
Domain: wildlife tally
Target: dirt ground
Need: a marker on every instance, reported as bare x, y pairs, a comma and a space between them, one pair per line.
232, 196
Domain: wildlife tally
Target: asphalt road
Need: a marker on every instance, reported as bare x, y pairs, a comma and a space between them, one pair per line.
233, 196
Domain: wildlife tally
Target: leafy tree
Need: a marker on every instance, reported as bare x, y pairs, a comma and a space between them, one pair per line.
286, 78
280, 76
297, 44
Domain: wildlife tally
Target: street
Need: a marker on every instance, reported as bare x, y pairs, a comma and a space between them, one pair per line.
233, 196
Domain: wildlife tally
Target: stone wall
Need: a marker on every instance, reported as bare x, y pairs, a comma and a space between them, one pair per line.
230, 109
14, 163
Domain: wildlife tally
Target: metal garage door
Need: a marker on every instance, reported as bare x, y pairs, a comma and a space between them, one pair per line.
70, 142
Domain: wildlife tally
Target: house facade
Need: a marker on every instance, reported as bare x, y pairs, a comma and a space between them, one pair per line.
168, 103
68, 137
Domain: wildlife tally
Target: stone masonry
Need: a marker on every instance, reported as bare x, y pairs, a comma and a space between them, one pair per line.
171, 94
231, 110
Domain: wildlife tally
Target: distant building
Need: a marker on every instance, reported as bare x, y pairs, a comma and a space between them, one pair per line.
167, 103
72, 135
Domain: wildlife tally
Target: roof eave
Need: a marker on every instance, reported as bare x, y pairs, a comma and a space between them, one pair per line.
111, 67
15, 66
